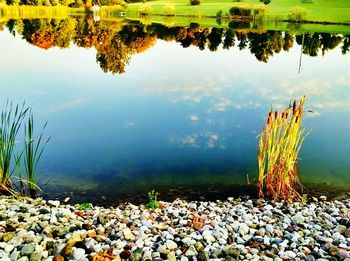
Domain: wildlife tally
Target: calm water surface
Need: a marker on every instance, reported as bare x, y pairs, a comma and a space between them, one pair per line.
176, 117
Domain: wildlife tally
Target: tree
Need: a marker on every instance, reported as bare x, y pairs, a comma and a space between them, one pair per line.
215, 38
229, 40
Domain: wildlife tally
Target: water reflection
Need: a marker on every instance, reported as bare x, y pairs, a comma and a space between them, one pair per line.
115, 42
176, 116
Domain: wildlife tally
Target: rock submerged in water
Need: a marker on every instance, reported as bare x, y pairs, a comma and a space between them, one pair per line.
229, 230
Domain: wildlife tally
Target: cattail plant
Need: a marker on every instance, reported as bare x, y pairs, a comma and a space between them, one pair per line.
279, 146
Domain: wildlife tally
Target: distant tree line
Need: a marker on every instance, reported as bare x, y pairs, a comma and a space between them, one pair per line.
116, 43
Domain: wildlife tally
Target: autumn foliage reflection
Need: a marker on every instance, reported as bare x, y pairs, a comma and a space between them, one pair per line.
116, 41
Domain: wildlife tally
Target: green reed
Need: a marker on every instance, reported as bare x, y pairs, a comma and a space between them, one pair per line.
10, 123
11, 120
279, 146
33, 151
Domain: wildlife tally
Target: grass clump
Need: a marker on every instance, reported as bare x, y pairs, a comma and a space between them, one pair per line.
279, 146
153, 201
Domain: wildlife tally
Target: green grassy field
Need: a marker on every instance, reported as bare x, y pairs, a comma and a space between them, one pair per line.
331, 11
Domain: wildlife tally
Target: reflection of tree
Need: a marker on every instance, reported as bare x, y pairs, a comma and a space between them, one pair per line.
243, 40
288, 41
314, 42
39, 32
115, 42
229, 40
202, 39
265, 45
113, 56
11, 25
46, 33
329, 42
214, 38
346, 45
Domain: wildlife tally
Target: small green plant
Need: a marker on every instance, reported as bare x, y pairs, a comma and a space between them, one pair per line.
169, 10
85, 206
153, 201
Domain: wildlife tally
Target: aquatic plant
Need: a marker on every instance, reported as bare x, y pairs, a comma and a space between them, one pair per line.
10, 122
85, 206
153, 201
33, 151
279, 146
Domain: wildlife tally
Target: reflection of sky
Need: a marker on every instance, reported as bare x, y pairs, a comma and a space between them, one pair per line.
176, 110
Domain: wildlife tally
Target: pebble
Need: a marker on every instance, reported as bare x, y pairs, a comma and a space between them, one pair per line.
244, 229
54, 203
171, 245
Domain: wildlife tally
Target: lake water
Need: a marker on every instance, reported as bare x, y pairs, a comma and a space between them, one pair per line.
132, 107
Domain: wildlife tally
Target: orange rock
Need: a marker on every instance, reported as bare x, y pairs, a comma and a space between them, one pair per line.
79, 213
197, 222
91, 234
58, 258
101, 233
106, 255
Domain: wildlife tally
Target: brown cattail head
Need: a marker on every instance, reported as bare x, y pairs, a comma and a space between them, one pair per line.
269, 118
296, 119
294, 106
282, 117
300, 111
286, 114
276, 115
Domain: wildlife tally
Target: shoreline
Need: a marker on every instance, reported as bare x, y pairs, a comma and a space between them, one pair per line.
234, 229
169, 193
114, 11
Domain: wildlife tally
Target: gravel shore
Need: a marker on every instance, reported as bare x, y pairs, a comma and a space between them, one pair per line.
234, 229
